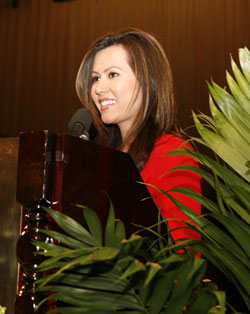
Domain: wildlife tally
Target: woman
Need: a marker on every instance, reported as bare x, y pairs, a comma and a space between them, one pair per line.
125, 80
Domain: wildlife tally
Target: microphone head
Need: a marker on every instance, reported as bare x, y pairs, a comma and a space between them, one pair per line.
82, 117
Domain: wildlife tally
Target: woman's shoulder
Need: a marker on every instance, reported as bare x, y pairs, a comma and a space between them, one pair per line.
159, 162
166, 142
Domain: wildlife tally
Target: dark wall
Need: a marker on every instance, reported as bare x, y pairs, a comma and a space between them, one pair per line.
42, 44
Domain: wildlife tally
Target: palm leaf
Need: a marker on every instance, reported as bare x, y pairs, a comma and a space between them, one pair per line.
244, 56
161, 291
89, 281
154, 269
238, 94
94, 300
133, 268
98, 255
80, 310
110, 239
228, 131
230, 108
233, 196
193, 271
120, 232
223, 149
72, 227
113, 279
241, 80
243, 195
211, 231
65, 239
94, 224
218, 169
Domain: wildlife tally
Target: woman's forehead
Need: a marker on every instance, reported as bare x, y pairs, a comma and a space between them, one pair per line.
112, 56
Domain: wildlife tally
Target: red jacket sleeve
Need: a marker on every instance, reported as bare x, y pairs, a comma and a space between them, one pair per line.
154, 172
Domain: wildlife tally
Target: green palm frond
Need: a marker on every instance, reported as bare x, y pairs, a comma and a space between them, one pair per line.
114, 275
244, 56
226, 227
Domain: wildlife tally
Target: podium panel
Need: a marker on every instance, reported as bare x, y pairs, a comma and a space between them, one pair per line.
10, 213
91, 175
58, 171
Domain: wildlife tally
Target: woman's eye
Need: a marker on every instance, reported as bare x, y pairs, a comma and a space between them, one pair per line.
113, 74
94, 79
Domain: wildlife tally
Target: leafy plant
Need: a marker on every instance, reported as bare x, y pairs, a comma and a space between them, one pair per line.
106, 274
2, 309
226, 226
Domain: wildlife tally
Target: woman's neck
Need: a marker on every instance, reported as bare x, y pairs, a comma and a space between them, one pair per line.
125, 148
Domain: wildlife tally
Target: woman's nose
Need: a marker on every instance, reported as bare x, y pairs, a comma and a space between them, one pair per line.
101, 86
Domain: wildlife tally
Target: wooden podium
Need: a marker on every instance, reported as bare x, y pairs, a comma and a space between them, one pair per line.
59, 171
10, 214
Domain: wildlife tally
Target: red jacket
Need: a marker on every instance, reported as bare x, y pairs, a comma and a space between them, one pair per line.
153, 172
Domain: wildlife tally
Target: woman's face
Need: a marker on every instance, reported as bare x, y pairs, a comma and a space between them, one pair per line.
115, 89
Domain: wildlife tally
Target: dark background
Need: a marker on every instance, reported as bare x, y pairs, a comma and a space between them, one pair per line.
42, 43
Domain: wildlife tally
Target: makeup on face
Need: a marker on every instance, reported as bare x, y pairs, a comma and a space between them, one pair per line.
115, 89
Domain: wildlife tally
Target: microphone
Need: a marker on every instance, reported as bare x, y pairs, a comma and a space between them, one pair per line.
80, 123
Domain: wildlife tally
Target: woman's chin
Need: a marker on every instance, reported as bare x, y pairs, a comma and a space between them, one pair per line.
107, 120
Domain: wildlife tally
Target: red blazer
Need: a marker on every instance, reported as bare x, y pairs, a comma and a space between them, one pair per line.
153, 172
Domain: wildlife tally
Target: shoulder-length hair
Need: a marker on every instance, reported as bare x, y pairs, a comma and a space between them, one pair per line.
152, 70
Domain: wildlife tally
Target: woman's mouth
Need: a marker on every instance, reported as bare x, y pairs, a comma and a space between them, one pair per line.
105, 104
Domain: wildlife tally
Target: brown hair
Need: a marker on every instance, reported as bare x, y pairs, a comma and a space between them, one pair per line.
152, 70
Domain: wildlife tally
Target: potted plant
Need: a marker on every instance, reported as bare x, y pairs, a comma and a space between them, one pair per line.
111, 273
226, 225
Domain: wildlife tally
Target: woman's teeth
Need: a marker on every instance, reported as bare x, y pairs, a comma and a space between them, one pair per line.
107, 102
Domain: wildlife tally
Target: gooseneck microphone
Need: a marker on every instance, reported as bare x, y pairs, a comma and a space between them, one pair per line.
80, 123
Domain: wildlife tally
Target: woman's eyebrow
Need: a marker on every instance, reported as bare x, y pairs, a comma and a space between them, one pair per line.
106, 70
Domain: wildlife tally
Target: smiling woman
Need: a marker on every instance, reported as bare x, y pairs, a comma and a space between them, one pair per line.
126, 82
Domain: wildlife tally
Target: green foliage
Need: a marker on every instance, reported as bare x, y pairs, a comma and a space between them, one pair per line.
2, 309
110, 273
226, 226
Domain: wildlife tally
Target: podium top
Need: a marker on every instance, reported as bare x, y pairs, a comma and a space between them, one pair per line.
61, 170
